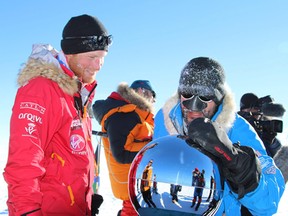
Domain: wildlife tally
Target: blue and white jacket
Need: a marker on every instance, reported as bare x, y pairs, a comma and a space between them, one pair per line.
265, 198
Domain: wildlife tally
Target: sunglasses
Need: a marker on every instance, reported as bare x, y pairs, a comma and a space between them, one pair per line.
190, 96
97, 40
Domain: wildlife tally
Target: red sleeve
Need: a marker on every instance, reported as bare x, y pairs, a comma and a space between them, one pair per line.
28, 137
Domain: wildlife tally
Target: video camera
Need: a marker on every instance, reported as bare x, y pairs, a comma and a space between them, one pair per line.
268, 111
275, 126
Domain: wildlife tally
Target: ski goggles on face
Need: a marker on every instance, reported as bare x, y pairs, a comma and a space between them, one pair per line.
97, 41
195, 102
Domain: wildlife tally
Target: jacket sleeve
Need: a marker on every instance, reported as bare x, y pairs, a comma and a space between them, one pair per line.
118, 127
281, 160
160, 129
265, 198
28, 136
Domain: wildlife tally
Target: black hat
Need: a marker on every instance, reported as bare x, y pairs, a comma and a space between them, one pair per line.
84, 34
202, 76
143, 84
249, 100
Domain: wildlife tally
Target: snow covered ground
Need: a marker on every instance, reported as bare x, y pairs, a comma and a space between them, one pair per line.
111, 205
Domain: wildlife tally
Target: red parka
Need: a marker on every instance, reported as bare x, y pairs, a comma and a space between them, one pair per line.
51, 159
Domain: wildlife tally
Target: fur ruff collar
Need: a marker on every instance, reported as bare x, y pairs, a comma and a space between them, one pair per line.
131, 96
42, 62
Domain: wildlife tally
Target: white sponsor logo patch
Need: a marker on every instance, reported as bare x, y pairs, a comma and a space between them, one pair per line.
33, 106
30, 129
76, 124
77, 142
271, 170
30, 117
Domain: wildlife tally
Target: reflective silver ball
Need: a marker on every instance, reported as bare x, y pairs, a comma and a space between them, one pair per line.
168, 177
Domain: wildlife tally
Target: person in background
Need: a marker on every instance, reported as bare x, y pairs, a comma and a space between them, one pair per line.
174, 189
155, 189
50, 167
263, 114
212, 188
146, 183
199, 183
203, 112
127, 118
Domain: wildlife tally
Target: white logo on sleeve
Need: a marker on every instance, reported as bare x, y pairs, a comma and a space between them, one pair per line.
30, 129
33, 106
30, 117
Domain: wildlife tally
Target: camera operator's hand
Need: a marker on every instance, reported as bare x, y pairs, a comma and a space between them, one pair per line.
268, 136
272, 144
239, 164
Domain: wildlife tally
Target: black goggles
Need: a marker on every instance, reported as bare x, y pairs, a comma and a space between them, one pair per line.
97, 40
195, 102
190, 96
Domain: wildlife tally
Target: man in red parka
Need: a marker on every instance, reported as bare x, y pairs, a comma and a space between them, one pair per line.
50, 167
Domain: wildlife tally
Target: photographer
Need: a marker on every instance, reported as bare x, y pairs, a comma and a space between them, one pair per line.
263, 114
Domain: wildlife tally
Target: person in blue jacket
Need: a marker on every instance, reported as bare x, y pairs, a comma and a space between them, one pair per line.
203, 111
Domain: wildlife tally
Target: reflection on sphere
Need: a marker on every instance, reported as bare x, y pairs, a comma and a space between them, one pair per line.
182, 175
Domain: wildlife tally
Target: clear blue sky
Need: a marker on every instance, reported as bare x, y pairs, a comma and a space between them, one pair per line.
153, 39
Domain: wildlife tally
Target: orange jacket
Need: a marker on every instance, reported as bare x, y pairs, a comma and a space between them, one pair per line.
138, 137
146, 180
129, 128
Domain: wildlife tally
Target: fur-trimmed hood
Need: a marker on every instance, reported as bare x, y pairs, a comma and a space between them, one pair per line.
43, 62
130, 95
123, 95
224, 116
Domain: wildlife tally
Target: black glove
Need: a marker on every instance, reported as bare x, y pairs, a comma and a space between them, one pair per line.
268, 136
238, 164
97, 200
32, 212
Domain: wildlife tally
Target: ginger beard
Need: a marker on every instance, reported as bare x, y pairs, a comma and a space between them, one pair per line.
86, 74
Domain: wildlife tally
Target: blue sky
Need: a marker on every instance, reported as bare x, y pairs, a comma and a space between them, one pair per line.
154, 39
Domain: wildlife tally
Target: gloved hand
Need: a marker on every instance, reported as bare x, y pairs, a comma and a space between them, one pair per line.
238, 164
36, 212
97, 200
268, 136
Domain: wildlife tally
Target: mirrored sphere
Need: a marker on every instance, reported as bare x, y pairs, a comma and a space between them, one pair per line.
168, 177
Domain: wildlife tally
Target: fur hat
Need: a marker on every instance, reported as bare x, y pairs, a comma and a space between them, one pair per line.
202, 76
84, 34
